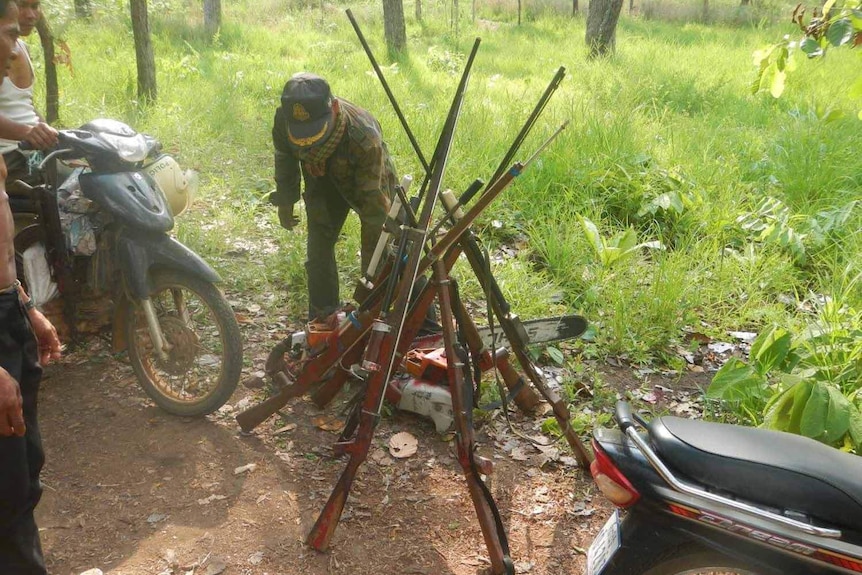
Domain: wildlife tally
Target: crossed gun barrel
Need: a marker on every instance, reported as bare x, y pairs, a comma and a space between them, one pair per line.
376, 337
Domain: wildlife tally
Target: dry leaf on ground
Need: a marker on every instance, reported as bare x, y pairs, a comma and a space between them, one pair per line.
402, 445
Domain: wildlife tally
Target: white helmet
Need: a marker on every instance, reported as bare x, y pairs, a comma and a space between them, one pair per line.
178, 186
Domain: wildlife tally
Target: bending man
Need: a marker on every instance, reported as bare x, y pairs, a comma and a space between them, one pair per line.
339, 150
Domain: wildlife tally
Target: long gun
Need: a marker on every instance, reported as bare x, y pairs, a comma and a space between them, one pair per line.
380, 358
490, 522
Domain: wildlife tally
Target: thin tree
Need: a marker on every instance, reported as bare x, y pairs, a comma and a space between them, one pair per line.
52, 97
602, 18
83, 9
455, 20
418, 10
393, 24
212, 17
574, 8
143, 51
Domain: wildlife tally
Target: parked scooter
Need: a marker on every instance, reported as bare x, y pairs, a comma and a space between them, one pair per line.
94, 250
704, 497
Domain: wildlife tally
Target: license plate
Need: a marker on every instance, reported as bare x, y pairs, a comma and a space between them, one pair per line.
604, 545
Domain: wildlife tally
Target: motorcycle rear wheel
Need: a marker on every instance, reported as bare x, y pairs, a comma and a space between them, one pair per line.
699, 563
203, 365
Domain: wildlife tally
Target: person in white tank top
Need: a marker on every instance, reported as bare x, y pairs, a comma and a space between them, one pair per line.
19, 119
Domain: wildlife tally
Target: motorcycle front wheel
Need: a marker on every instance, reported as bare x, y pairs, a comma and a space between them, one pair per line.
201, 366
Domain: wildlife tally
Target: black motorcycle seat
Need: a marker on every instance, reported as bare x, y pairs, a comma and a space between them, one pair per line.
772, 468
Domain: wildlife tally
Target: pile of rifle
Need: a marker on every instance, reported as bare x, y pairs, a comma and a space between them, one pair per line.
371, 342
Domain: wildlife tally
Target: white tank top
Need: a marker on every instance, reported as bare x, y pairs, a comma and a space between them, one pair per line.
16, 103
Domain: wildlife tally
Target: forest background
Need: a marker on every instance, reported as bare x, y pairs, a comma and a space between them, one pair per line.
677, 205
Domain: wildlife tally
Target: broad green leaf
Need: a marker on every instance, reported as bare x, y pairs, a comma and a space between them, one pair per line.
556, 355
840, 32
780, 408
800, 400
827, 6
838, 417
855, 428
766, 77
592, 233
769, 349
813, 422
790, 66
811, 47
627, 240
610, 255
734, 381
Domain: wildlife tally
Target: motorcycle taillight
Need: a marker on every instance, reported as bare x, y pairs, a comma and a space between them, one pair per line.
610, 480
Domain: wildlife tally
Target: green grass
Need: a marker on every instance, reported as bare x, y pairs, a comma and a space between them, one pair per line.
673, 101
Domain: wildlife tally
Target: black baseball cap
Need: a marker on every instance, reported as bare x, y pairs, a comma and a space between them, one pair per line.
307, 102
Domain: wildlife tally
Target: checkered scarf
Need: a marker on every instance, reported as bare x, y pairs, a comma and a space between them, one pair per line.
314, 158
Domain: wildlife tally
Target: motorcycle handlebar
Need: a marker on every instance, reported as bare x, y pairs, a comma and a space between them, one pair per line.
623, 415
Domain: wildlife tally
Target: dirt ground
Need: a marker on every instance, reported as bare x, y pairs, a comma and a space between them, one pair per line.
132, 490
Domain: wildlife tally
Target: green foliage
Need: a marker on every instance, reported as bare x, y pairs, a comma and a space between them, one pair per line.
772, 222
671, 154
641, 193
838, 23
808, 383
616, 249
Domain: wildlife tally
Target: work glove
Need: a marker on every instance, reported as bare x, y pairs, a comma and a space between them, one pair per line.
286, 217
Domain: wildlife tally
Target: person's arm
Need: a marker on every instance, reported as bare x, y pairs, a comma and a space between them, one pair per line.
42, 136
287, 171
11, 406
46, 333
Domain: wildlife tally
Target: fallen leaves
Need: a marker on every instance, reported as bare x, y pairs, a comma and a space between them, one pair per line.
328, 423
403, 445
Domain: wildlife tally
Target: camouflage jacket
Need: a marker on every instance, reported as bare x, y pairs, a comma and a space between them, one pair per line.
360, 164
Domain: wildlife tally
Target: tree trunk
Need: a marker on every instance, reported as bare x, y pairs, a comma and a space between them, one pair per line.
454, 21
602, 19
393, 24
745, 2
705, 16
143, 52
212, 17
631, 6
418, 10
519, 12
52, 92
574, 8
83, 9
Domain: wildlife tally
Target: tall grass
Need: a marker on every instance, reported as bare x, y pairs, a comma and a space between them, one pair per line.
671, 112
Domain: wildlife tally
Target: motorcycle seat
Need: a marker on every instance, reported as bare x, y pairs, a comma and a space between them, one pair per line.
772, 468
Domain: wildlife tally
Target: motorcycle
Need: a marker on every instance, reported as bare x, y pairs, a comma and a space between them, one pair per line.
94, 252
701, 497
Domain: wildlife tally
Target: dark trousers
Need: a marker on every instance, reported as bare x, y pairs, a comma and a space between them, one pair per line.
21, 458
327, 211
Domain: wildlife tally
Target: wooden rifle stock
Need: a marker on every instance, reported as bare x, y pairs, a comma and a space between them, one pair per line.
351, 332
493, 531
380, 346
